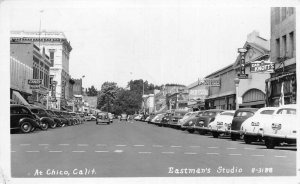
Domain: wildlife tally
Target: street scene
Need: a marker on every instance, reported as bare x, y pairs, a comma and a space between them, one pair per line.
137, 90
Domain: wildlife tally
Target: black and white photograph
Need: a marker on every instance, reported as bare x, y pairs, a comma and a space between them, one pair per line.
148, 91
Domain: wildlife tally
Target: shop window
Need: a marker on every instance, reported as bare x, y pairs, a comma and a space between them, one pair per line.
292, 46
284, 46
277, 47
283, 13
277, 15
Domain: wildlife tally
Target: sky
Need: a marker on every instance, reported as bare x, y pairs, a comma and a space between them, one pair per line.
158, 41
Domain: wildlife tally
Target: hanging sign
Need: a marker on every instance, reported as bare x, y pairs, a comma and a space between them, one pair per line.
262, 67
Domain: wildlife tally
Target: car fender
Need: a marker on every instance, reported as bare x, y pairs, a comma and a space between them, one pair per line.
48, 120
32, 121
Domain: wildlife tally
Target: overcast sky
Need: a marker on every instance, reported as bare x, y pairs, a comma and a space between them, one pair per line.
165, 42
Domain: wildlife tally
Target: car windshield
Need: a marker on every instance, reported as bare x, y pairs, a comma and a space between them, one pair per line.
244, 114
209, 113
287, 111
179, 113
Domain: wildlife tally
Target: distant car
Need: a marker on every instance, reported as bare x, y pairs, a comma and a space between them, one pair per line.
240, 116
176, 117
90, 117
281, 127
102, 118
252, 126
60, 115
57, 119
45, 118
111, 117
207, 117
138, 117
123, 117
190, 123
75, 117
157, 119
221, 124
23, 119
165, 120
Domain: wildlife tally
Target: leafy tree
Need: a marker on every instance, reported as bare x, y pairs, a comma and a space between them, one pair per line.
107, 95
92, 91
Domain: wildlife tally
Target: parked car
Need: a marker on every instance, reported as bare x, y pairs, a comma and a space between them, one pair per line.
111, 117
186, 116
150, 117
81, 115
207, 117
191, 122
138, 117
75, 117
165, 120
157, 120
90, 117
178, 115
58, 120
46, 120
60, 115
21, 118
250, 128
66, 115
102, 117
221, 124
240, 116
281, 127
123, 117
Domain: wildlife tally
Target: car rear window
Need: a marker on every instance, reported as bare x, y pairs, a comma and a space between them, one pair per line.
267, 112
244, 114
209, 113
287, 111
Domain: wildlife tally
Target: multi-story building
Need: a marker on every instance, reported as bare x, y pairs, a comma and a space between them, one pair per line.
283, 53
39, 63
148, 103
197, 94
58, 48
77, 88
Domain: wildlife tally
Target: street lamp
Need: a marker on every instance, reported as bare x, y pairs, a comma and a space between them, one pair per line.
236, 82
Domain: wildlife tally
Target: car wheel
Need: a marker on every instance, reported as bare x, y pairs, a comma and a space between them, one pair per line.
44, 125
191, 131
108, 123
270, 143
202, 132
53, 125
32, 129
233, 137
215, 134
247, 139
26, 127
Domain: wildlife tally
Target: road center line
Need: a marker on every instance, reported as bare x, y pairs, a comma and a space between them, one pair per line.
280, 156
13, 151
82, 144
234, 154
78, 151
157, 146
176, 146
101, 145
121, 145
43, 144
32, 151
55, 151
64, 144
213, 147
167, 152
257, 155
231, 148
118, 151
138, 145
249, 148
145, 152
195, 146
101, 151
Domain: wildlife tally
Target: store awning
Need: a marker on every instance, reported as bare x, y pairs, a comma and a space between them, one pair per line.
18, 98
221, 94
260, 102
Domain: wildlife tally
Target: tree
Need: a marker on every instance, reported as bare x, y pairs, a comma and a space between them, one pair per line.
127, 102
107, 95
92, 91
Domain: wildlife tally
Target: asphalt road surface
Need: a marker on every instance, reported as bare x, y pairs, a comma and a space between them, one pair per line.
138, 149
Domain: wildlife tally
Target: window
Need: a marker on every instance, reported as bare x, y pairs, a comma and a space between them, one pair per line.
277, 15
283, 13
277, 47
287, 111
24, 111
244, 114
14, 110
35, 111
284, 47
292, 46
51, 54
290, 11
269, 112
227, 114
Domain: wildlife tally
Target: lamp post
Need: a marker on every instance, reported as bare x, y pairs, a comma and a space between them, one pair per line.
236, 82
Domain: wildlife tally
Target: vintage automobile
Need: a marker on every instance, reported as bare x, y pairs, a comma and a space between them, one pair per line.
191, 122
81, 115
102, 117
75, 117
165, 120
250, 128
21, 118
68, 117
239, 117
111, 117
138, 117
186, 116
45, 118
281, 127
221, 124
60, 115
90, 117
174, 121
123, 117
150, 117
156, 120
58, 120
207, 117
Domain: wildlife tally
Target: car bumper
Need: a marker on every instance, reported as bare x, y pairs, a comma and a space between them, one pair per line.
280, 137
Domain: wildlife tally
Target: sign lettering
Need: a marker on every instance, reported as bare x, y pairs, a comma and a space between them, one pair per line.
262, 67
209, 82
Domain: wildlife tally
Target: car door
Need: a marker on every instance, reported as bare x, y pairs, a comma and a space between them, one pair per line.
15, 117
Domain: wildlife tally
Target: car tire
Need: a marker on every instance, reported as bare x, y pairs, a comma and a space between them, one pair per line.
26, 127
247, 139
215, 134
191, 131
44, 126
53, 125
32, 129
233, 137
202, 132
270, 143
108, 123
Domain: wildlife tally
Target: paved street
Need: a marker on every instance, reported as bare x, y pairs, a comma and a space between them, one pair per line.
138, 149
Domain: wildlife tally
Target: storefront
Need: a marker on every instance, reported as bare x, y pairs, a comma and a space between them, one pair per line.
224, 101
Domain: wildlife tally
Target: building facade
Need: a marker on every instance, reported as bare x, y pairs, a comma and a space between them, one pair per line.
197, 95
31, 57
58, 48
283, 54
77, 88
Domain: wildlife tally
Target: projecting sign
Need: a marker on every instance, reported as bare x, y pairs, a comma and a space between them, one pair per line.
243, 76
262, 67
34, 81
209, 82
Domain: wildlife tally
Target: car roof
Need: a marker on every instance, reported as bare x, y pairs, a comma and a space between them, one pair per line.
288, 106
214, 110
233, 111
